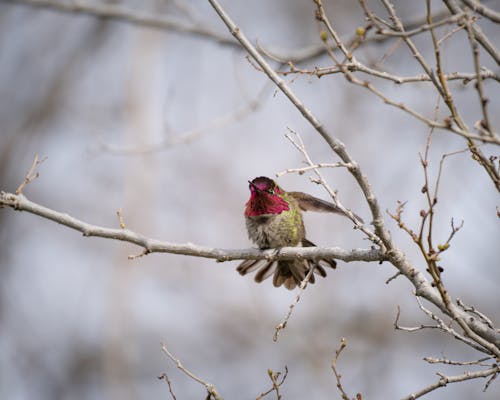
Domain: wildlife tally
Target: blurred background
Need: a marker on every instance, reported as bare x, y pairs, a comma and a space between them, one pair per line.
163, 125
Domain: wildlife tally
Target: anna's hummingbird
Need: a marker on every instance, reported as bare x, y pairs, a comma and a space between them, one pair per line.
274, 219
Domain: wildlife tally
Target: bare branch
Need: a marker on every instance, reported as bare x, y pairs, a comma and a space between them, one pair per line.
338, 376
478, 33
21, 203
133, 16
212, 392
303, 284
412, 328
447, 328
164, 376
485, 11
473, 310
302, 170
485, 123
466, 77
276, 383
121, 222
444, 380
31, 175
480, 362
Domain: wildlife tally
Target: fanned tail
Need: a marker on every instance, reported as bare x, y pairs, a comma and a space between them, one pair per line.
289, 273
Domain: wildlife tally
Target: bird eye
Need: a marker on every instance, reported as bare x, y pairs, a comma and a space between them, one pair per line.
270, 191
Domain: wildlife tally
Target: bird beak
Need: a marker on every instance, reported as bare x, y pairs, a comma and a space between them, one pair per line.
252, 185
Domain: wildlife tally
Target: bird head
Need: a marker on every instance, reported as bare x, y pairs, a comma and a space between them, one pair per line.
266, 197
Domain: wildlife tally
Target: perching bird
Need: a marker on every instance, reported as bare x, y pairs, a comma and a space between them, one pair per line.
274, 219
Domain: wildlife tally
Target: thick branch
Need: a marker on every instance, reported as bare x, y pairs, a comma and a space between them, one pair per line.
21, 203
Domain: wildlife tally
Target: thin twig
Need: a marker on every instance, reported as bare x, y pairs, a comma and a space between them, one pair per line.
212, 392
480, 362
276, 383
485, 123
121, 222
164, 376
444, 380
338, 376
31, 175
284, 322
298, 143
302, 170
410, 328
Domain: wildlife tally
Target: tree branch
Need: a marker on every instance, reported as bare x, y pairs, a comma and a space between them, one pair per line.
444, 380
485, 11
211, 391
21, 203
130, 15
478, 33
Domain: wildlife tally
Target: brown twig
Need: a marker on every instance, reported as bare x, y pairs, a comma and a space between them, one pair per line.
478, 33
276, 383
31, 175
410, 328
284, 322
212, 392
298, 143
121, 222
338, 376
164, 376
485, 123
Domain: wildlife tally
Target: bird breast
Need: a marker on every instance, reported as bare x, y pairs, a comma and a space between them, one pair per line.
276, 230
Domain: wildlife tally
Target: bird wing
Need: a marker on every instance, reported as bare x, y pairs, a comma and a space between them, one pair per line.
311, 203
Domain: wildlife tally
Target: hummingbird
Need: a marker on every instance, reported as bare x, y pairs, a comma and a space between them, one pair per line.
274, 220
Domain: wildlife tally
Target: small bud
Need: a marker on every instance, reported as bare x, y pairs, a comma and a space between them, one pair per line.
270, 372
424, 189
323, 36
360, 31
443, 247
423, 213
441, 269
